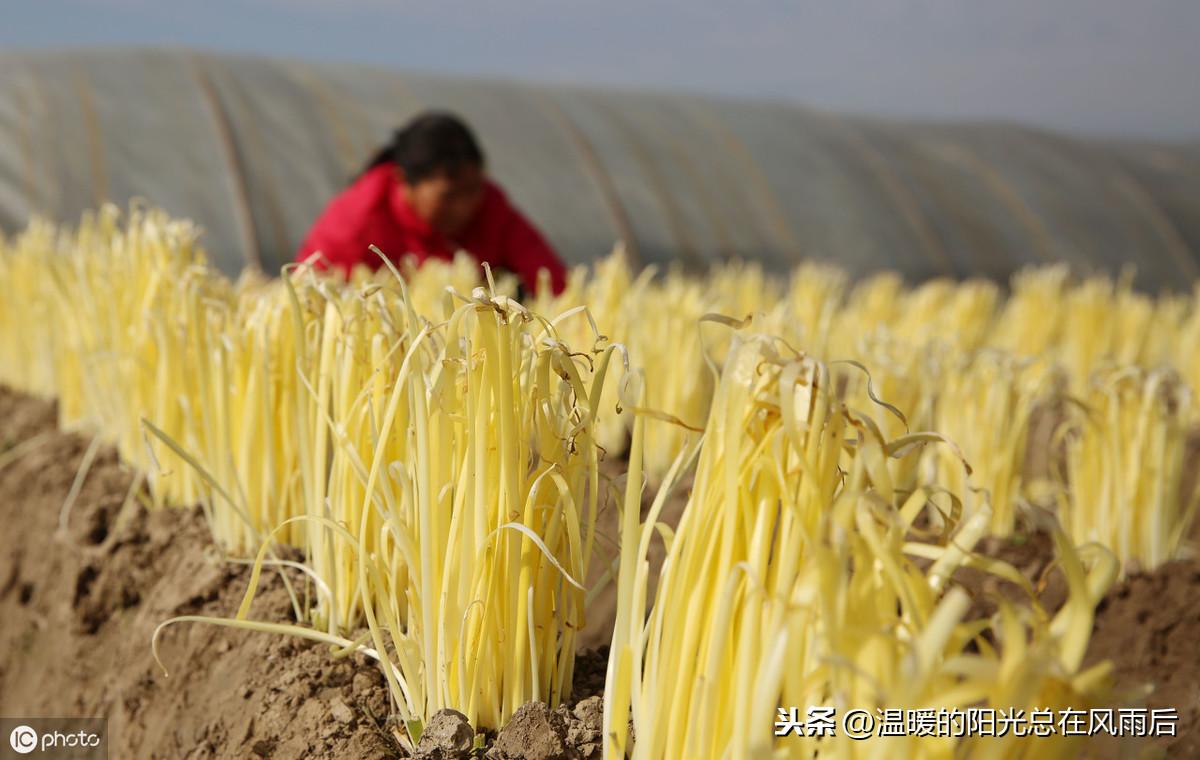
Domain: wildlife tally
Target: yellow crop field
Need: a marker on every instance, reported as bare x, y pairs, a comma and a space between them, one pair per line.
445, 478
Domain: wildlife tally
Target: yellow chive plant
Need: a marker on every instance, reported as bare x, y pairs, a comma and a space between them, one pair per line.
793, 580
985, 403
1127, 483
450, 486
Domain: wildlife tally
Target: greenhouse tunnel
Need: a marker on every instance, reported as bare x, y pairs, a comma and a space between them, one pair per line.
251, 149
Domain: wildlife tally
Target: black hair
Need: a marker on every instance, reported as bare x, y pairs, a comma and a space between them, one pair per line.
433, 141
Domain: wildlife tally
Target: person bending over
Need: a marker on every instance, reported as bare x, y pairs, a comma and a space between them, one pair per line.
427, 194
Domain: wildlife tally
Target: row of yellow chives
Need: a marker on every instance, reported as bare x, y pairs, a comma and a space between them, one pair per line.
438, 462
439, 470
792, 581
951, 356
1128, 476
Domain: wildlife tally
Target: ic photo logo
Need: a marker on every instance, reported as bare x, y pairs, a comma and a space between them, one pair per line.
76, 738
23, 740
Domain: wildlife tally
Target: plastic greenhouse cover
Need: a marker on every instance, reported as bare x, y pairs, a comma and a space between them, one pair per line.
252, 148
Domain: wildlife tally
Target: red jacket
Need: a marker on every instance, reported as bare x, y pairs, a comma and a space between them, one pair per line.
373, 211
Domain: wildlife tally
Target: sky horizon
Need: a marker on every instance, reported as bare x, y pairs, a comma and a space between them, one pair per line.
1094, 67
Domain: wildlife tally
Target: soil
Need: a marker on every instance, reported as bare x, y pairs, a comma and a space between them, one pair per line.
1149, 626
80, 606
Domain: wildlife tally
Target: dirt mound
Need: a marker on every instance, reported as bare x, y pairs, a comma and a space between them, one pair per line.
1149, 626
80, 607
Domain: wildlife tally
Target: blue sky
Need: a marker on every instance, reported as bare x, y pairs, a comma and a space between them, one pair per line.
1099, 66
